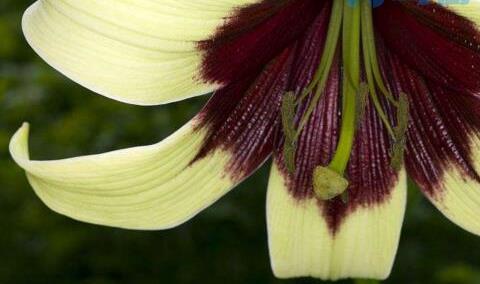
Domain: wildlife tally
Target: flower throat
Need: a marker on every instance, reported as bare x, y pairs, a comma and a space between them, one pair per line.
352, 21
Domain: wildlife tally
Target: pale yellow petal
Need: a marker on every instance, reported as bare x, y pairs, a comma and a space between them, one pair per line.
301, 244
137, 51
457, 195
151, 187
469, 9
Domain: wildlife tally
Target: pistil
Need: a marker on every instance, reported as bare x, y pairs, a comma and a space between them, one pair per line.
350, 87
354, 22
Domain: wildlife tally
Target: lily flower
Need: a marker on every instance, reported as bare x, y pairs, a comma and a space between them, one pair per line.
347, 98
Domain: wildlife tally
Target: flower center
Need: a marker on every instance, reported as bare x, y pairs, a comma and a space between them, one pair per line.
352, 21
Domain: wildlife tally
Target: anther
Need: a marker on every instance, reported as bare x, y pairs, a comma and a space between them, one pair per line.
399, 145
288, 125
288, 115
289, 150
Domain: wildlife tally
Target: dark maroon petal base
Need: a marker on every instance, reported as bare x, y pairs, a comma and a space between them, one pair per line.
255, 35
439, 69
442, 46
253, 56
272, 47
243, 116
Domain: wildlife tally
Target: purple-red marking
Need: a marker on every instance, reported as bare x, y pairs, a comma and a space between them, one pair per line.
272, 47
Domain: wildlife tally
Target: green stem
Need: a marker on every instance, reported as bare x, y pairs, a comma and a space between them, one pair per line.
351, 84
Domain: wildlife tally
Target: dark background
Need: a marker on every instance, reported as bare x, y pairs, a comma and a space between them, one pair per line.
227, 243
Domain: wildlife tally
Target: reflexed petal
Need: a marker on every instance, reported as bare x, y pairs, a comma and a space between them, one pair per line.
432, 40
152, 187
443, 143
141, 52
302, 244
443, 153
165, 184
470, 10
458, 197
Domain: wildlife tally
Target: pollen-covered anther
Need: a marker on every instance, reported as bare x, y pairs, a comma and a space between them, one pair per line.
398, 148
289, 131
328, 184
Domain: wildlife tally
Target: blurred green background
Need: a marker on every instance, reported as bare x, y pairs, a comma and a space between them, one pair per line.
227, 243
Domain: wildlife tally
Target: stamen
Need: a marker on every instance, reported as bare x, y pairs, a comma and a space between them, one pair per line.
288, 116
371, 65
370, 50
375, 81
288, 123
398, 148
289, 150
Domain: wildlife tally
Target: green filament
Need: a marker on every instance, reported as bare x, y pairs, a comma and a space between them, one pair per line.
318, 84
329, 182
375, 81
370, 50
371, 64
320, 78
